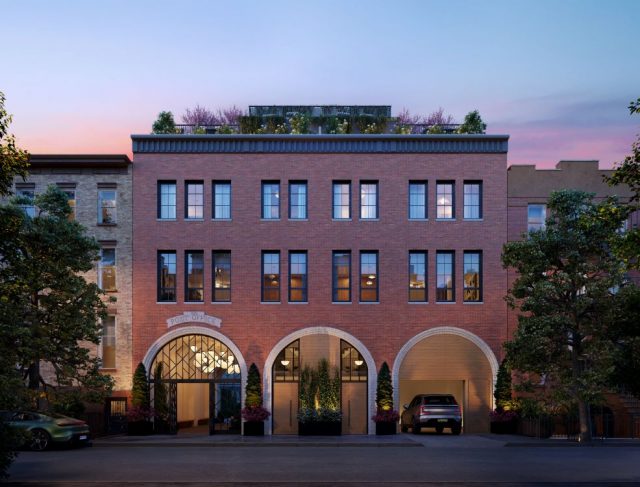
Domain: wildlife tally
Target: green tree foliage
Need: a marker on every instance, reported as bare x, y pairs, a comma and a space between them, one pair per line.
565, 290
13, 160
253, 390
472, 124
502, 393
164, 124
384, 389
628, 173
140, 396
160, 404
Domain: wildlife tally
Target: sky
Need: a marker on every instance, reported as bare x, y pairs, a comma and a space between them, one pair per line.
556, 75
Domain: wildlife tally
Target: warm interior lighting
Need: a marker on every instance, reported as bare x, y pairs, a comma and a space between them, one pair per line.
284, 362
371, 276
369, 283
358, 362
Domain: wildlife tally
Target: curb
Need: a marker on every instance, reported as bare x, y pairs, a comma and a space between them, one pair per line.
230, 444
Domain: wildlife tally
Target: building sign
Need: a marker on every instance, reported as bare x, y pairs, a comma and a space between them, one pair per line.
194, 317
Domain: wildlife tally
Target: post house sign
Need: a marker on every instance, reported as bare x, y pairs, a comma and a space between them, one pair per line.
194, 317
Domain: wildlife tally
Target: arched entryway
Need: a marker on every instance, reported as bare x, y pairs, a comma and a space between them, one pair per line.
203, 373
306, 347
453, 361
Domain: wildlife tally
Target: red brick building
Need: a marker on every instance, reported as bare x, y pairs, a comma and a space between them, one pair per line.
280, 250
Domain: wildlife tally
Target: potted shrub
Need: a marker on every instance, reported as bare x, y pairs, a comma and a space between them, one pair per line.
140, 414
535, 420
504, 422
386, 418
253, 413
319, 397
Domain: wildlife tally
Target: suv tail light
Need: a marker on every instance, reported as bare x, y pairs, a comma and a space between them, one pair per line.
425, 410
459, 410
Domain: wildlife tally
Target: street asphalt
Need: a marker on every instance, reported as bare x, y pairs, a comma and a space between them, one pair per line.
407, 460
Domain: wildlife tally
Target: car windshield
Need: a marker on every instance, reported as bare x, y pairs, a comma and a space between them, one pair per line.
439, 400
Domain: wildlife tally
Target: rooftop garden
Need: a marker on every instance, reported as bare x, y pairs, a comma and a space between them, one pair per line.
327, 119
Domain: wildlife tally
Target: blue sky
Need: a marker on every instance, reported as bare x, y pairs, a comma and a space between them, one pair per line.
80, 76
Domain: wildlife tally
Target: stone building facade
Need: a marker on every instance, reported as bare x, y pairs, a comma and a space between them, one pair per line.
100, 192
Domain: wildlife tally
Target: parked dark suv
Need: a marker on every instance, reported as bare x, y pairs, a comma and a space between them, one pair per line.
437, 411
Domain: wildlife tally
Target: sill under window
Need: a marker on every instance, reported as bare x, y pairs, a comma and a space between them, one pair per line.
107, 224
473, 219
221, 219
298, 219
269, 219
270, 302
194, 219
220, 302
418, 219
445, 219
341, 219
166, 302
194, 302
417, 302
368, 302
297, 302
473, 302
445, 302
340, 302
166, 219
369, 219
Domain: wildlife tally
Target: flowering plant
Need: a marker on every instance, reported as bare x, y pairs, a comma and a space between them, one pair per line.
140, 413
255, 413
386, 416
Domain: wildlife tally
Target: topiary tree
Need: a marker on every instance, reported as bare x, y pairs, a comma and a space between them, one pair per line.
472, 124
165, 124
253, 390
160, 394
140, 396
502, 394
384, 390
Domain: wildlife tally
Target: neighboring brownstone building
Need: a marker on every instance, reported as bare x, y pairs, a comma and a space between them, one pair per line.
99, 190
283, 249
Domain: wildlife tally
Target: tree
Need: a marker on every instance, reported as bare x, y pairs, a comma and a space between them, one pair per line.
628, 173
140, 396
160, 405
565, 290
502, 393
384, 389
13, 160
199, 116
165, 124
472, 124
253, 390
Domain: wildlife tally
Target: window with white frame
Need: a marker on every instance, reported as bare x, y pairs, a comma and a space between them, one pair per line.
107, 206
536, 216
107, 269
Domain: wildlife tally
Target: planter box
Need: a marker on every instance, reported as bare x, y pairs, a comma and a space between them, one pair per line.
254, 428
504, 427
139, 428
386, 428
320, 428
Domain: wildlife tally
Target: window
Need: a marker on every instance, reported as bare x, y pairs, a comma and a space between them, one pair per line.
194, 200
352, 365
167, 200
298, 277
28, 208
342, 277
472, 273
341, 200
417, 200
369, 200
445, 200
368, 277
472, 200
270, 276
271, 200
445, 291
107, 270
286, 367
222, 200
107, 206
221, 265
70, 190
108, 343
536, 216
417, 277
167, 276
194, 283
297, 200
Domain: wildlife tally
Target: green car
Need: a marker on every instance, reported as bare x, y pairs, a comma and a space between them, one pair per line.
45, 430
